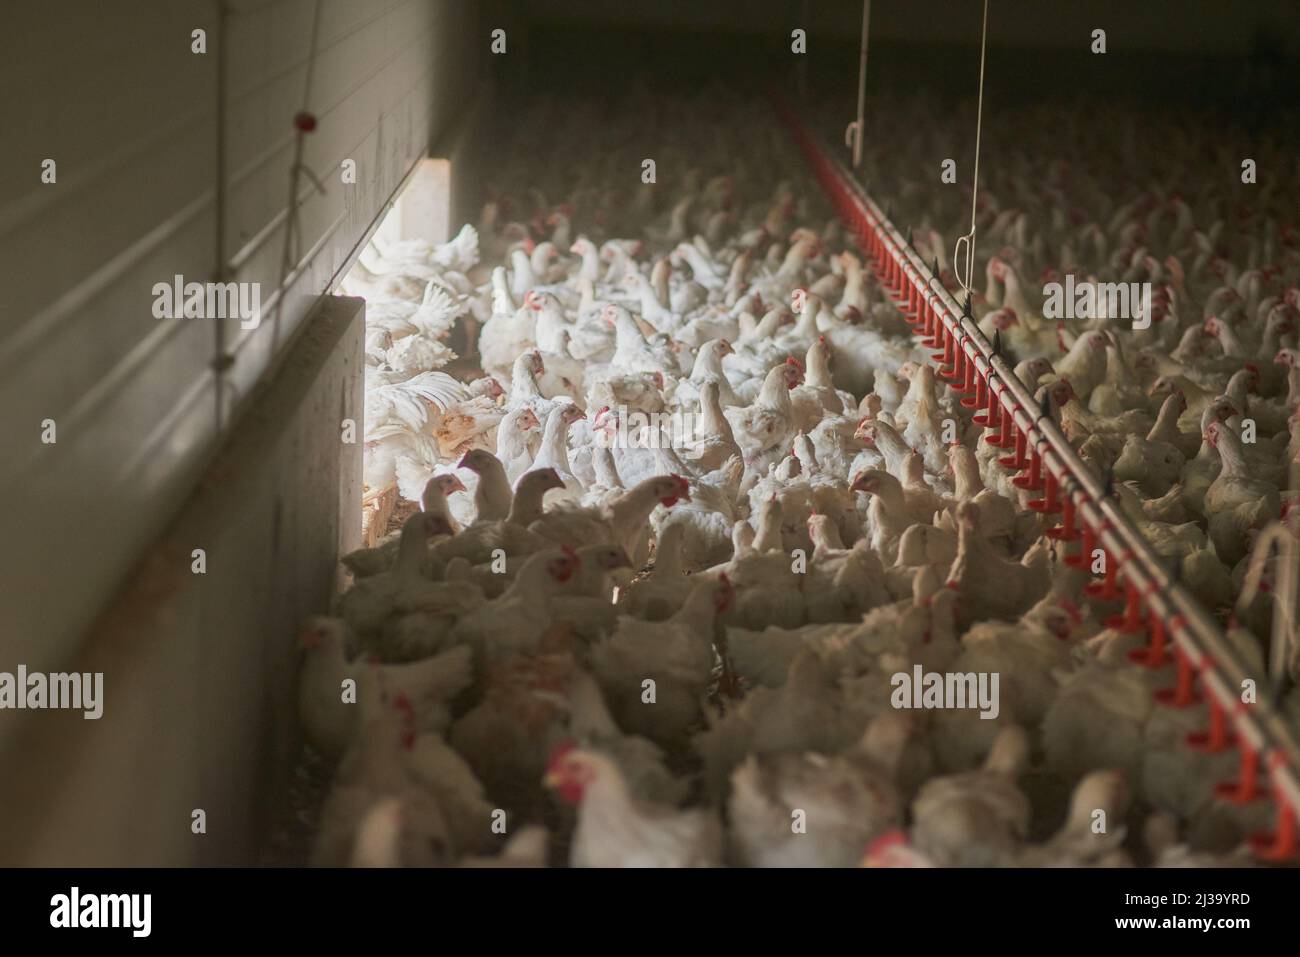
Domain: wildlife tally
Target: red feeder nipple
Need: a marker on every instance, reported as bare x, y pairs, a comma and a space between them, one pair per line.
1130, 622
1049, 504
981, 390
1016, 460
1281, 843
1246, 788
1153, 655
1182, 693
1217, 737
1068, 530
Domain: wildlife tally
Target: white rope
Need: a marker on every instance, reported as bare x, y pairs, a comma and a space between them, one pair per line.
966, 273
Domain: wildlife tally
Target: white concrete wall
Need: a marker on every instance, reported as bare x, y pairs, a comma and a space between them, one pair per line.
113, 93
200, 671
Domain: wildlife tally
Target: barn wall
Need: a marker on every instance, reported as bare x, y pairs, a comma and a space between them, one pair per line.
198, 662
133, 119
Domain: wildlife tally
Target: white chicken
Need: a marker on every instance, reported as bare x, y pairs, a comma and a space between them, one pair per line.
713, 375
617, 830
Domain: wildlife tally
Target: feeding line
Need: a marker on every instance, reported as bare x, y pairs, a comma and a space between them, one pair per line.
966, 273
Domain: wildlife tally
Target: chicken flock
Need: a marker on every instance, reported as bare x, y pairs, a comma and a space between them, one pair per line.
705, 499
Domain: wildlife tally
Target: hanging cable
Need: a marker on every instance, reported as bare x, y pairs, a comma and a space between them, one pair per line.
304, 122
853, 135
966, 273
1278, 539
221, 359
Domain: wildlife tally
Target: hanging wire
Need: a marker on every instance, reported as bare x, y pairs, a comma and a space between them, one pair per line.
853, 135
966, 272
221, 359
801, 70
311, 55
304, 122
1282, 537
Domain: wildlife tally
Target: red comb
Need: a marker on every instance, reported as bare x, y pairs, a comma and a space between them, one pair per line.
560, 752
887, 841
1071, 609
